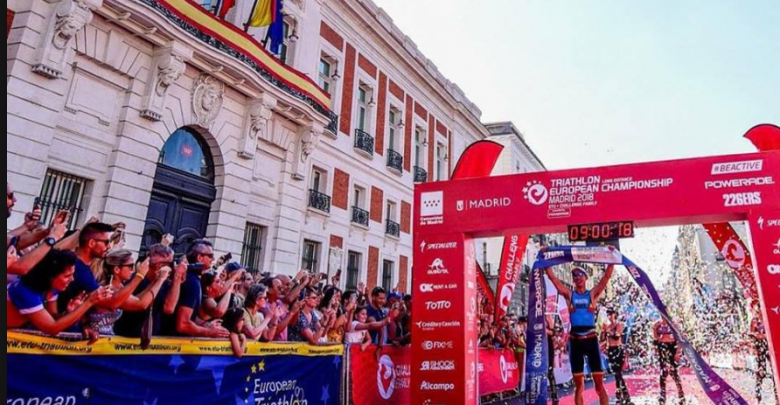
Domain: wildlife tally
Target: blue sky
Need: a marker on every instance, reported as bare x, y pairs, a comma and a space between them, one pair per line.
605, 82
594, 83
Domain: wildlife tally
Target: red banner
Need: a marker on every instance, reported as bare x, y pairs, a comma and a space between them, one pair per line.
499, 371
387, 382
509, 272
384, 382
736, 254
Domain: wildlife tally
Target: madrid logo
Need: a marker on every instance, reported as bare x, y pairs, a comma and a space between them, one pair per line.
385, 377
536, 193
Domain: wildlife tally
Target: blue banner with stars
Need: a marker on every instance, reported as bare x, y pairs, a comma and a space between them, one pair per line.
171, 379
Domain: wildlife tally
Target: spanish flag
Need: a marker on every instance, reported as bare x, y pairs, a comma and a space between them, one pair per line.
264, 13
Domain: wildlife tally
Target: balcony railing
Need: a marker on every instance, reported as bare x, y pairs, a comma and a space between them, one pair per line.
395, 160
319, 201
364, 142
360, 216
393, 229
333, 127
420, 175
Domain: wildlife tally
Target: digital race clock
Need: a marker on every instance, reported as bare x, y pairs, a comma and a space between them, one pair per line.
601, 232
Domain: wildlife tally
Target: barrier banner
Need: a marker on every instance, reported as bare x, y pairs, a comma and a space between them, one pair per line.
116, 372
499, 372
388, 381
385, 382
716, 388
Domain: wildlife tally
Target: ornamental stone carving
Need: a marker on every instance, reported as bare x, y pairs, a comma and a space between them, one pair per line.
207, 98
309, 139
256, 125
70, 17
169, 65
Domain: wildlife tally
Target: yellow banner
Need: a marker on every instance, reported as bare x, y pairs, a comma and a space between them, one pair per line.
19, 343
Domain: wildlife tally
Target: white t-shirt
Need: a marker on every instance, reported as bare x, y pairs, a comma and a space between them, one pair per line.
355, 337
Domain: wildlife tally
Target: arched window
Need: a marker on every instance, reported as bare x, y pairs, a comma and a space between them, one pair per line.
186, 152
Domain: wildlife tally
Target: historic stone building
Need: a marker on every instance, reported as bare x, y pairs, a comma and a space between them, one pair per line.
160, 115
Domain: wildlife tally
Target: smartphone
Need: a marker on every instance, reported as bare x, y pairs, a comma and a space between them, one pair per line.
37, 204
338, 274
302, 295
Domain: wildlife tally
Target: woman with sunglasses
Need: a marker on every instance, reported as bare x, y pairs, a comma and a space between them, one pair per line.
118, 272
584, 339
256, 326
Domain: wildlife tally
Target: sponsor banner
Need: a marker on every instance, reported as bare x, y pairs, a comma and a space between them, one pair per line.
446, 320
736, 254
765, 234
703, 190
19, 343
498, 370
166, 377
718, 390
536, 362
509, 272
387, 381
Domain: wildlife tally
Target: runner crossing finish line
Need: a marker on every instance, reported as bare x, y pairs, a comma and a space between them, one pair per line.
717, 389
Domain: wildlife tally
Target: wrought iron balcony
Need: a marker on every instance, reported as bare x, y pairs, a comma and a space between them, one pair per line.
333, 127
360, 216
393, 229
420, 175
364, 142
395, 160
319, 201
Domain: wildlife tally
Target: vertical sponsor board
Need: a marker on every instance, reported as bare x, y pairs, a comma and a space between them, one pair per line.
443, 366
765, 233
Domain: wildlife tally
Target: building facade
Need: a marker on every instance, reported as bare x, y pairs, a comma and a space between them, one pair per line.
158, 114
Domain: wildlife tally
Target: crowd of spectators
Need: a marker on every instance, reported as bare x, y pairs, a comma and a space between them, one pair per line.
85, 281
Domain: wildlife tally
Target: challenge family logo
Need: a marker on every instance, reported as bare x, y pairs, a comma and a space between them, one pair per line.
386, 377
734, 253
536, 193
774, 269
507, 292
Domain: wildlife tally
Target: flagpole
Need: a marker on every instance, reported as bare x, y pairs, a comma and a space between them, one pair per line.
251, 13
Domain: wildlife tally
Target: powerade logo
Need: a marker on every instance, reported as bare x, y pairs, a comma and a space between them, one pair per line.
443, 387
736, 183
